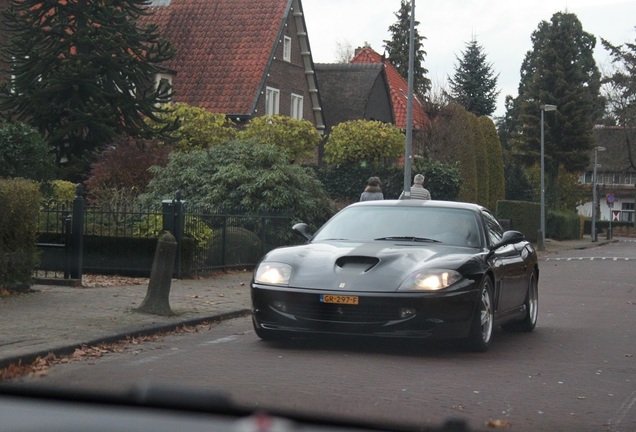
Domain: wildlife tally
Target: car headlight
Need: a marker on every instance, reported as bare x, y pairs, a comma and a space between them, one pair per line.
430, 280
273, 273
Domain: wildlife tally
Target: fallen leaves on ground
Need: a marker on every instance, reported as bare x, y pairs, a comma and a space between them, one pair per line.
498, 423
94, 281
40, 366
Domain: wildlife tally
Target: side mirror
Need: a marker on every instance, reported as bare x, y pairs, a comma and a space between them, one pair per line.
302, 229
509, 237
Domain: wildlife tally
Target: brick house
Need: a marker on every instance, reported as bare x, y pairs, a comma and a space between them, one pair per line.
398, 88
242, 58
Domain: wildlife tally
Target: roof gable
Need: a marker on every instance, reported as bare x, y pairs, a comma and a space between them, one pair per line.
348, 92
227, 45
399, 90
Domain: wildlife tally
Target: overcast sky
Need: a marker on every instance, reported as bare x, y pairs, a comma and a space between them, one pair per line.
502, 27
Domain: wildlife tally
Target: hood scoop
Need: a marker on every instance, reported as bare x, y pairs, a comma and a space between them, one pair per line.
360, 263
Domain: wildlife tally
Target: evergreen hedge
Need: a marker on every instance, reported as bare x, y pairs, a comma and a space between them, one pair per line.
19, 207
524, 216
563, 226
345, 182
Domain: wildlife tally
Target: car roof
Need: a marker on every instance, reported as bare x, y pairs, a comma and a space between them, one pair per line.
420, 203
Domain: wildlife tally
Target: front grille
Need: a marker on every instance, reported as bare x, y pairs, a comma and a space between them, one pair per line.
344, 313
367, 312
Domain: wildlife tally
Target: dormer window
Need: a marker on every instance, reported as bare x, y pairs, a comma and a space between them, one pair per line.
287, 48
163, 83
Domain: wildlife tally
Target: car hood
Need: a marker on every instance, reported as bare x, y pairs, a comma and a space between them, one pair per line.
379, 266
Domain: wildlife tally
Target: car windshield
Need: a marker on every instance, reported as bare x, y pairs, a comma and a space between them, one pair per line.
366, 223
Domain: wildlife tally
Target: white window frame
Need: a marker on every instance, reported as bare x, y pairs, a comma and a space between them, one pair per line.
272, 101
296, 106
287, 48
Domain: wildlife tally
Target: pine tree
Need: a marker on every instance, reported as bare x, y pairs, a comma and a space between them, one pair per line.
474, 84
397, 49
559, 70
81, 71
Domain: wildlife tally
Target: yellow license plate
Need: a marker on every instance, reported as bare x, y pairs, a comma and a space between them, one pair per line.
353, 300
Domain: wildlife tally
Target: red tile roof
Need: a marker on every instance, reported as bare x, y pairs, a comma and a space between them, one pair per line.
227, 45
399, 90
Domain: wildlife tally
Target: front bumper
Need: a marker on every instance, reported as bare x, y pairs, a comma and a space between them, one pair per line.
439, 315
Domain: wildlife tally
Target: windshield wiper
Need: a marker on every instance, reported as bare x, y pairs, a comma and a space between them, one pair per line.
409, 238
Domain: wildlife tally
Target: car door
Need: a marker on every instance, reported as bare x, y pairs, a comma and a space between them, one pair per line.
509, 266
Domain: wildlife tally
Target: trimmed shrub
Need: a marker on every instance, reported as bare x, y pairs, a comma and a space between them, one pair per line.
297, 138
369, 141
18, 227
562, 226
524, 216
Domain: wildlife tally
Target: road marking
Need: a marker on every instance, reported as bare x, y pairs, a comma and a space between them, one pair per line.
625, 408
589, 259
219, 340
154, 358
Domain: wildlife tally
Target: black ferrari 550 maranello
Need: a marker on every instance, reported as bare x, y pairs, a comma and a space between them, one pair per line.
400, 268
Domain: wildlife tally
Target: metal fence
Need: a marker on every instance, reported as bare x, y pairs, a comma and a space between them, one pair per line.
76, 238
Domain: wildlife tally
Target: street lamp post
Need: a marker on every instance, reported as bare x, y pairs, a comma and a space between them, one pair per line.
596, 150
544, 107
409, 107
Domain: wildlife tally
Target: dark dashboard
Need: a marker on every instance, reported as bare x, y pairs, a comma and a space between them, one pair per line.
155, 408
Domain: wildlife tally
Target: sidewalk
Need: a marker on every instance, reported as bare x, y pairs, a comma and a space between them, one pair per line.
57, 319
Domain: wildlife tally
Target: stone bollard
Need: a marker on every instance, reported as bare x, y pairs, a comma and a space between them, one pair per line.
157, 299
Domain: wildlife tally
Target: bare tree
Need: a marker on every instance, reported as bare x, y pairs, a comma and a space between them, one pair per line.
344, 51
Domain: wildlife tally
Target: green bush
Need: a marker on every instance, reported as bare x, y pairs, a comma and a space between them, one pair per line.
297, 138
524, 216
24, 153
241, 176
197, 128
241, 247
57, 194
367, 141
18, 227
151, 225
562, 226
345, 182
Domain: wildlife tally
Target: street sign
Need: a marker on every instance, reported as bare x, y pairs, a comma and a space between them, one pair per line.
610, 200
616, 215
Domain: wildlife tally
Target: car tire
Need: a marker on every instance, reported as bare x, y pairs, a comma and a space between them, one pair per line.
529, 322
484, 319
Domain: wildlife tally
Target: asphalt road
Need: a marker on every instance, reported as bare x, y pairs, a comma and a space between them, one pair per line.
577, 371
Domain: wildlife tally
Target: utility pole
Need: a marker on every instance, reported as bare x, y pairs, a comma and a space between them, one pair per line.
408, 156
